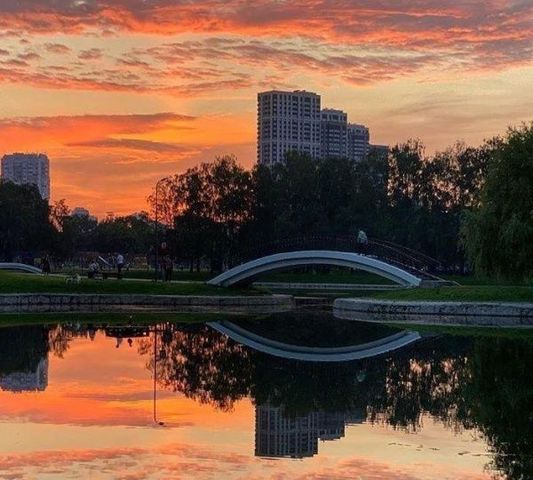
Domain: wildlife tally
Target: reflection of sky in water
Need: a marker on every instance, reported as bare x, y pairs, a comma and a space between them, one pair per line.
94, 420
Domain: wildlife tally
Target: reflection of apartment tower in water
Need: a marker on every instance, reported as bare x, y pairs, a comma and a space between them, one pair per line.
358, 138
28, 168
277, 435
331, 425
287, 121
333, 131
27, 381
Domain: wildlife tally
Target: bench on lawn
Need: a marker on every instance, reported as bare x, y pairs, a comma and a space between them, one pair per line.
104, 275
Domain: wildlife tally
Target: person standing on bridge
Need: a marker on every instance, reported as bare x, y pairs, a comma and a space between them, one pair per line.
362, 242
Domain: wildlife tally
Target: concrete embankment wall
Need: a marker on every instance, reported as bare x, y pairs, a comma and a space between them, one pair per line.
445, 313
52, 303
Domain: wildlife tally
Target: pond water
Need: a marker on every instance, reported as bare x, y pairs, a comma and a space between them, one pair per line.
78, 400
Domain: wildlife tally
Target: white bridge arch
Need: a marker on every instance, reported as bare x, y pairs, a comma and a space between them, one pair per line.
20, 267
315, 354
249, 271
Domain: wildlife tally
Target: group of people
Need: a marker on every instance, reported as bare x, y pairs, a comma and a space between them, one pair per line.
94, 267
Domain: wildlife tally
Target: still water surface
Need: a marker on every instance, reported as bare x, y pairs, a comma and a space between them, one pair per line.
78, 400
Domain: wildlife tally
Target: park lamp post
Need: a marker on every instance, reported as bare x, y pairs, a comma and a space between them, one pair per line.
156, 227
156, 356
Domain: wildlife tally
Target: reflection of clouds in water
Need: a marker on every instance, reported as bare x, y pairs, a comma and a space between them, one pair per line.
184, 460
95, 384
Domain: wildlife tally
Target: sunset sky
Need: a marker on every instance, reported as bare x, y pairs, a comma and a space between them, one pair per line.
97, 423
120, 93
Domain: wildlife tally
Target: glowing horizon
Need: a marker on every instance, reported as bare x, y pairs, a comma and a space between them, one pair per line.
119, 94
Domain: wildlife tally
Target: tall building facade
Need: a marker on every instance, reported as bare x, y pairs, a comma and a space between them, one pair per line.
358, 138
277, 435
28, 168
24, 381
380, 151
281, 435
333, 133
287, 121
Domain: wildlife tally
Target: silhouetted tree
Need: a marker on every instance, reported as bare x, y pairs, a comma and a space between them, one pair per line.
498, 236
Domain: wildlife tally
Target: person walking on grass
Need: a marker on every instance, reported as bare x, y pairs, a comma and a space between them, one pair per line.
120, 265
168, 266
45, 265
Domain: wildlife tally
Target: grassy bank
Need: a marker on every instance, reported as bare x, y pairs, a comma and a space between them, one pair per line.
465, 331
29, 283
134, 318
178, 275
466, 293
335, 276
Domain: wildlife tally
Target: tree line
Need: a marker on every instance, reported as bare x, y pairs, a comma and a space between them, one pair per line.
464, 206
30, 227
467, 207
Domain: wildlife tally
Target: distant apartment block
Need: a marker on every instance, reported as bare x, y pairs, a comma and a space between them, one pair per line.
358, 138
82, 213
381, 151
333, 131
293, 121
287, 121
28, 168
31, 381
281, 435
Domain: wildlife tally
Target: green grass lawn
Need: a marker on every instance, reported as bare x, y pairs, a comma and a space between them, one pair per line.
472, 280
335, 276
464, 293
133, 318
466, 331
180, 275
29, 283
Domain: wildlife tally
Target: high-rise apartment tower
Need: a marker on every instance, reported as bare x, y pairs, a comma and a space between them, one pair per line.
28, 168
357, 142
333, 130
287, 121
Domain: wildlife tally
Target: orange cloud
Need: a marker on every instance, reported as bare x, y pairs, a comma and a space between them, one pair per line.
461, 30
110, 162
337, 18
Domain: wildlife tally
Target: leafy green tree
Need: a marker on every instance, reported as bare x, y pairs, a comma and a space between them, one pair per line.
209, 205
132, 233
498, 236
78, 233
24, 220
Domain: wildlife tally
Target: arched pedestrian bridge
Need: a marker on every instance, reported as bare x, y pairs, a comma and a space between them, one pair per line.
315, 354
21, 267
249, 271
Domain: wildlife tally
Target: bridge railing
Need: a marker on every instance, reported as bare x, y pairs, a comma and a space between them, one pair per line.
398, 255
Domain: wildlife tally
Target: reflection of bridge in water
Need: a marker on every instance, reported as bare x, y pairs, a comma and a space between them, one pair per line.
315, 354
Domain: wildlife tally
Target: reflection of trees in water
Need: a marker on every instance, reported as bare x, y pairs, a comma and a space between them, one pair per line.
61, 335
465, 383
500, 401
426, 378
22, 348
200, 363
